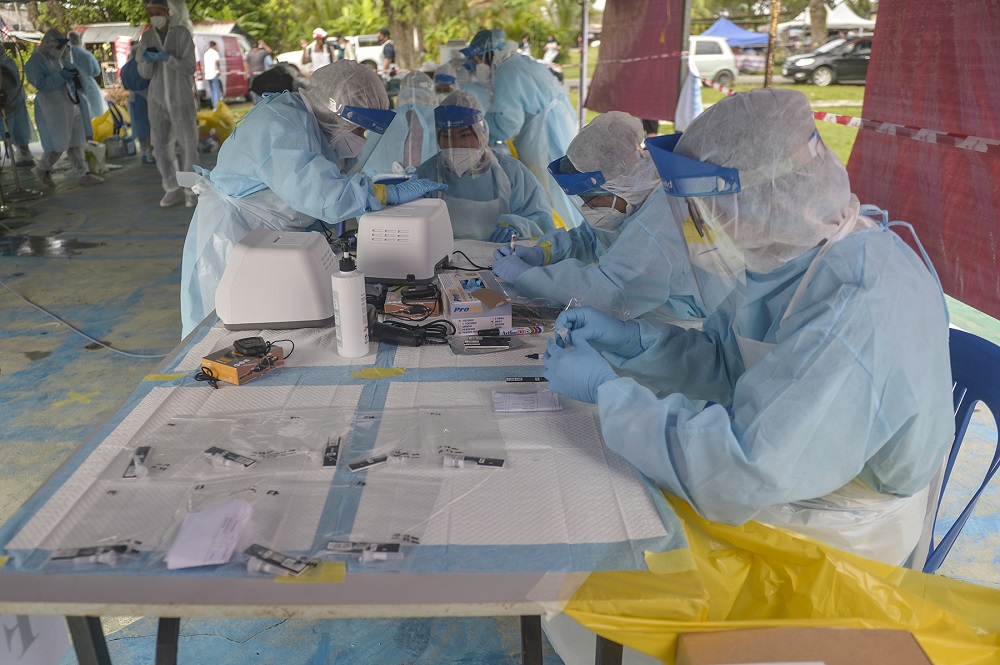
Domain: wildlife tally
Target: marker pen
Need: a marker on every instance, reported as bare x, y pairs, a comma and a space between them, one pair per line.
525, 379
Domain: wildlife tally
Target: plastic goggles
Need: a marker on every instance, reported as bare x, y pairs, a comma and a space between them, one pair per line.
683, 176
575, 183
376, 120
452, 117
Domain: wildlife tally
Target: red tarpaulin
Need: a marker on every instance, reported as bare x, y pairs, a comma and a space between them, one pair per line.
935, 65
640, 58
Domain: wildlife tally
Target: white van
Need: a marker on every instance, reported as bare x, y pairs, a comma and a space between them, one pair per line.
363, 48
233, 49
713, 59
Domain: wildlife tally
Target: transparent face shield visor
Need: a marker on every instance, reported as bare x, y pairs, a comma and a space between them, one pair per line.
365, 129
462, 141
703, 202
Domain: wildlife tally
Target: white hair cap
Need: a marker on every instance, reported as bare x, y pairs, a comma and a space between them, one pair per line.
612, 144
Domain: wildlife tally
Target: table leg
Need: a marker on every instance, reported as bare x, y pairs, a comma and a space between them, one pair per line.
531, 640
166, 640
608, 652
88, 640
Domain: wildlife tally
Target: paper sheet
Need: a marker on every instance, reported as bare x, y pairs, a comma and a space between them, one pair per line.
521, 402
209, 536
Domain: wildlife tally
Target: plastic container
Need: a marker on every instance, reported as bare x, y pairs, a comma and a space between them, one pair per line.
350, 310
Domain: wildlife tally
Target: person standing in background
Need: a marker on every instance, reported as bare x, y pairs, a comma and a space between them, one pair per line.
210, 67
18, 122
317, 53
166, 57
259, 59
388, 49
91, 101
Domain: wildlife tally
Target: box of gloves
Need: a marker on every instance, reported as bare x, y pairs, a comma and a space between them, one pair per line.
474, 301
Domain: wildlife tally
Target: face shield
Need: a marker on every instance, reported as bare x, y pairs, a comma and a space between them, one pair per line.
703, 201
463, 138
602, 209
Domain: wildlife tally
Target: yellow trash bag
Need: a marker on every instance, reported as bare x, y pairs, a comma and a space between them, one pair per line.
113, 122
221, 121
757, 576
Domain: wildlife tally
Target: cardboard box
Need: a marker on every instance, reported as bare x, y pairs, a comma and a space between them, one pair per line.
474, 301
794, 645
231, 367
412, 308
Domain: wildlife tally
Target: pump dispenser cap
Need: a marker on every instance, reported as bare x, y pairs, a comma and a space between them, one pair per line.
347, 264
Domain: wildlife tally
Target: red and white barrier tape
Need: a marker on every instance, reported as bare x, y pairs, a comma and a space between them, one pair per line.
661, 56
951, 139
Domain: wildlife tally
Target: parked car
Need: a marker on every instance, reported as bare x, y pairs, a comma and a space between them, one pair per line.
363, 48
837, 61
233, 49
713, 59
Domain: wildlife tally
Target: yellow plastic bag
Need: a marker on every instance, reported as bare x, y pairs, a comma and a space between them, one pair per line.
755, 575
221, 121
113, 122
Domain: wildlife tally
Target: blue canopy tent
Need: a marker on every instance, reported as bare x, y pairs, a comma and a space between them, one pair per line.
735, 35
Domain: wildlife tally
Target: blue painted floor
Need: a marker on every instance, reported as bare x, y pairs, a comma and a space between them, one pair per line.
107, 259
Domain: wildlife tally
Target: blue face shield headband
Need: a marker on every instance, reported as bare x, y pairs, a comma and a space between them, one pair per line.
575, 183
685, 177
453, 117
444, 79
374, 119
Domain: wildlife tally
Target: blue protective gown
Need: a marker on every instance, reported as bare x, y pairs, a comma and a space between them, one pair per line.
526, 210
91, 101
410, 140
277, 169
18, 122
641, 266
60, 125
858, 385
530, 107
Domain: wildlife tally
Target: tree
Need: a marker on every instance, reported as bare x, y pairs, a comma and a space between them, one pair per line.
817, 23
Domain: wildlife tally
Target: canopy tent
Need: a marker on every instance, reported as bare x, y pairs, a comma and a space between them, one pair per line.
841, 17
735, 35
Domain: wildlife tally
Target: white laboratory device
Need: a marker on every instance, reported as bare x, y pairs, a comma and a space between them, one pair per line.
277, 280
405, 243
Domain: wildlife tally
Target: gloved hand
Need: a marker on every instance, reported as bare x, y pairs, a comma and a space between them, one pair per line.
533, 256
410, 190
150, 56
576, 373
66, 74
502, 233
509, 268
603, 332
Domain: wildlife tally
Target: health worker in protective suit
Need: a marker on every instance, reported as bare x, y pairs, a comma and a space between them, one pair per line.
528, 107
18, 121
630, 257
57, 113
490, 196
92, 101
166, 57
293, 160
411, 138
828, 365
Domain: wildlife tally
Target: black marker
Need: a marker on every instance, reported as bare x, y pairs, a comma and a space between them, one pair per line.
525, 379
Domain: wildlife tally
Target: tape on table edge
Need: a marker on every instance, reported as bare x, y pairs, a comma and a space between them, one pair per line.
164, 377
326, 572
377, 372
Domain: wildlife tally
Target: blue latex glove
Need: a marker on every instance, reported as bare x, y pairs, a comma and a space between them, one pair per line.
533, 256
509, 268
576, 373
503, 233
410, 190
603, 332
149, 56
66, 74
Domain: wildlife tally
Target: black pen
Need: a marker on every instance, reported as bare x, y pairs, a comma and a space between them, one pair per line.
525, 379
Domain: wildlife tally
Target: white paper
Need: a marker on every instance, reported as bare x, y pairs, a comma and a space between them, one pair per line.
32, 640
209, 536
521, 402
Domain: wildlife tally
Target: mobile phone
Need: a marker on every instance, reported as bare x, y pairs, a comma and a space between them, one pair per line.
153, 49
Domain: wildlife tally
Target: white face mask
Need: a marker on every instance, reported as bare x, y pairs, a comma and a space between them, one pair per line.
349, 145
483, 72
159, 22
461, 161
603, 219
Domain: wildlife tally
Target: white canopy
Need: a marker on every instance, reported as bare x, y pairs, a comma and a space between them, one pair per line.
841, 17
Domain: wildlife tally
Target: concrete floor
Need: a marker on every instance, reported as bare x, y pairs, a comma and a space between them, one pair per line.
107, 259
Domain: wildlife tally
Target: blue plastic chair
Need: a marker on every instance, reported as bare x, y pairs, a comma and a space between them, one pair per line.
975, 370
